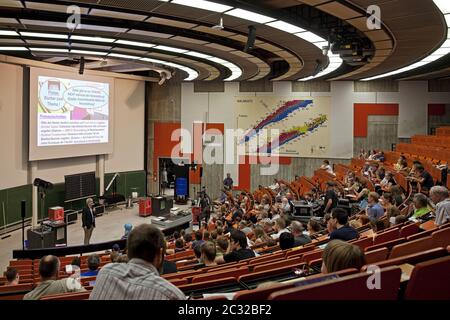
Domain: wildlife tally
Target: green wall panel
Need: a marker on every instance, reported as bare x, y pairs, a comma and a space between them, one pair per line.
127, 182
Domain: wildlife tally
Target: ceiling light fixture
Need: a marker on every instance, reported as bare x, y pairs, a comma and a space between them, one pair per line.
249, 15
95, 39
206, 5
44, 35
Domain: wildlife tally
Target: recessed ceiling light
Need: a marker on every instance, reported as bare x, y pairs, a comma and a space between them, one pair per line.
443, 5
166, 48
44, 35
136, 43
197, 54
8, 33
95, 53
13, 49
249, 15
49, 49
206, 5
96, 39
124, 56
310, 37
286, 27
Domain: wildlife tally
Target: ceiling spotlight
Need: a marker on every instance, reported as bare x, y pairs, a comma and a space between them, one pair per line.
81, 71
165, 75
325, 50
220, 25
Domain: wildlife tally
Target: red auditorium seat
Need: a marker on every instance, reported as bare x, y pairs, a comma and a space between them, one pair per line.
422, 234
235, 273
293, 262
363, 243
263, 293
430, 280
274, 271
68, 296
313, 255
388, 244
377, 255
207, 284
297, 252
266, 257
179, 282
352, 287
409, 230
386, 236
15, 292
411, 247
441, 238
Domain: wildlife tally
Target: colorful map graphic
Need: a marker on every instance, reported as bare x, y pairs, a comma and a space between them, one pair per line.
302, 124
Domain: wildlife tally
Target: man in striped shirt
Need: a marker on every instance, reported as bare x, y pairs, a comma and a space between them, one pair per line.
139, 278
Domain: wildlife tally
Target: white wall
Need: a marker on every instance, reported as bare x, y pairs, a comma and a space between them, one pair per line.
129, 120
413, 99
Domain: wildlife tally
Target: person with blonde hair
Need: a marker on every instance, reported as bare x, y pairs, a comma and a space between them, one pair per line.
339, 255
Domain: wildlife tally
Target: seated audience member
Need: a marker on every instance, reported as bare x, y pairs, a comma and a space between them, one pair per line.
339, 255
206, 236
327, 167
260, 235
331, 198
76, 261
123, 258
93, 263
381, 174
397, 195
48, 270
280, 227
179, 245
391, 214
208, 253
374, 210
244, 227
128, 227
187, 240
377, 225
12, 277
139, 278
422, 177
286, 241
339, 222
440, 197
400, 219
355, 224
386, 201
198, 253
349, 179
363, 219
237, 249
300, 238
116, 248
222, 247
387, 183
313, 227
169, 267
401, 165
113, 256
363, 199
420, 206
285, 206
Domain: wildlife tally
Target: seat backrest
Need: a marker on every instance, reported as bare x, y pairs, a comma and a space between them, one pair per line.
377, 255
207, 284
15, 292
430, 280
409, 230
68, 296
297, 252
387, 244
313, 255
234, 273
363, 243
414, 246
267, 257
386, 236
179, 282
422, 234
293, 262
352, 287
441, 238
274, 271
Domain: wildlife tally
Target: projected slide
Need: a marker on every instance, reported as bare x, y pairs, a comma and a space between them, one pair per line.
71, 112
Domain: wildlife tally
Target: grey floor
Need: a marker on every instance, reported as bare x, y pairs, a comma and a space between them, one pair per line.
110, 226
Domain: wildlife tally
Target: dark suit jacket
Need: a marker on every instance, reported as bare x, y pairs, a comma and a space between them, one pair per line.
88, 218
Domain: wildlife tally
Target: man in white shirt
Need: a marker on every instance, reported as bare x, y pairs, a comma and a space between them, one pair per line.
280, 227
440, 196
327, 167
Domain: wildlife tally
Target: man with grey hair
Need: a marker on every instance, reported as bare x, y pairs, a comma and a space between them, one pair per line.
440, 197
300, 239
88, 220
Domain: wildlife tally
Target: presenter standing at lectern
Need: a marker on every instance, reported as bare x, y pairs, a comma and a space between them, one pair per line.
88, 218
